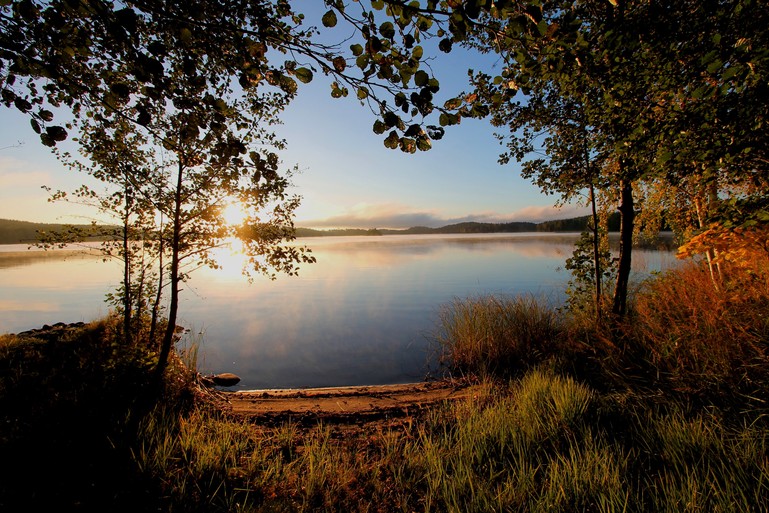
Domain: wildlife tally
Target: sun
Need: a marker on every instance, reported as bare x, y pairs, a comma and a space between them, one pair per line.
233, 214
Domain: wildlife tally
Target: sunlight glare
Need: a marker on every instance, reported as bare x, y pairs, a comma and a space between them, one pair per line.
233, 214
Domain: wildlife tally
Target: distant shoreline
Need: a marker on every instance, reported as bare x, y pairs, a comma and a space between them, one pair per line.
24, 232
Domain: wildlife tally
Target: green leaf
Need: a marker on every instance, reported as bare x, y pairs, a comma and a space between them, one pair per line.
417, 53
390, 119
57, 133
448, 119
424, 144
730, 72
362, 93
339, 64
421, 78
408, 145
22, 104
392, 140
377, 4
337, 91
379, 127
387, 30
375, 45
413, 131
356, 49
329, 19
185, 35
304, 75
287, 84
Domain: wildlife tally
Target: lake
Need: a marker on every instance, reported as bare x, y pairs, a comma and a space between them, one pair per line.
364, 314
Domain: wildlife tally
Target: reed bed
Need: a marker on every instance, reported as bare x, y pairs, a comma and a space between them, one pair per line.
490, 335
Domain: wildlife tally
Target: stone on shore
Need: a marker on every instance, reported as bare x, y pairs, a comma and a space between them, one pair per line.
225, 379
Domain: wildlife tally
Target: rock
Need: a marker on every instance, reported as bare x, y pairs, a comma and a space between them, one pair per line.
225, 379
206, 381
52, 333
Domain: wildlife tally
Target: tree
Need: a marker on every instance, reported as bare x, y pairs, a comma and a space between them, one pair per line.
65, 53
214, 152
189, 86
568, 158
662, 89
118, 157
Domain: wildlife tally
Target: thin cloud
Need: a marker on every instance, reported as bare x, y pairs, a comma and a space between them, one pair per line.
14, 175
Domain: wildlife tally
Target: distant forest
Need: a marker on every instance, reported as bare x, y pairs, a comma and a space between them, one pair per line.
575, 224
24, 232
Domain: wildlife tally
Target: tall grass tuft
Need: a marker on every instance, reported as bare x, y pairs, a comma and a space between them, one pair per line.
497, 335
697, 463
529, 450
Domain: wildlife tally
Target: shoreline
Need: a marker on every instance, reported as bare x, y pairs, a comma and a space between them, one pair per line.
345, 404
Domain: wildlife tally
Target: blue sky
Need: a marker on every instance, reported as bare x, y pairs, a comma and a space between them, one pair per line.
347, 179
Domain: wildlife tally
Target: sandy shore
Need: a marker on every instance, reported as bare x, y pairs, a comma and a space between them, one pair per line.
354, 405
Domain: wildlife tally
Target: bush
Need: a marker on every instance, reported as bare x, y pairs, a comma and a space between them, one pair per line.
702, 338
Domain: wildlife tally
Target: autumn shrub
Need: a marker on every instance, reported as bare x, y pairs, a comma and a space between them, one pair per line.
706, 337
497, 335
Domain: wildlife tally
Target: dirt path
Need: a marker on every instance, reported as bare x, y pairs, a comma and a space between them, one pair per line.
344, 405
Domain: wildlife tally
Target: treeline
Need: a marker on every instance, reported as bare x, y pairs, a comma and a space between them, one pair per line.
310, 232
25, 232
575, 224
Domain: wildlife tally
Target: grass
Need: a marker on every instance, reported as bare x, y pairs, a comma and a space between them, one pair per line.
666, 411
490, 335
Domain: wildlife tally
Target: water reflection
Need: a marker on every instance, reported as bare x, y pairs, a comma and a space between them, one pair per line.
362, 314
39, 287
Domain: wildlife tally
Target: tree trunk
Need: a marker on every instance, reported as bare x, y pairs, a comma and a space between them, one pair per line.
712, 205
127, 286
174, 278
627, 215
159, 294
596, 256
709, 254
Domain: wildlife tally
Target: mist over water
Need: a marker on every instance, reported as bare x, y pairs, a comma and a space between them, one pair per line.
363, 314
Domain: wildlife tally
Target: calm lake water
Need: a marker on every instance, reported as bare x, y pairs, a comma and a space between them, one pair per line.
364, 314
